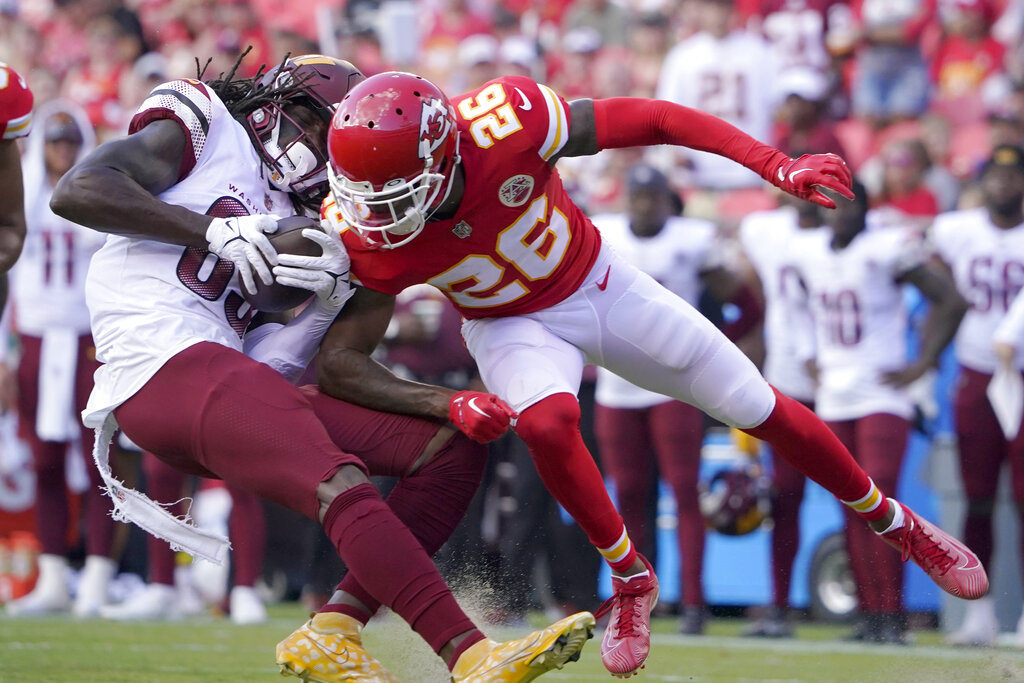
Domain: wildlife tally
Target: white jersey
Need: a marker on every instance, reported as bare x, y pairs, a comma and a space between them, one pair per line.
860, 318
149, 300
48, 281
675, 257
766, 238
988, 267
734, 79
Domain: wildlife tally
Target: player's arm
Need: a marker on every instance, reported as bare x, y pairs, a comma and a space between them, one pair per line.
947, 310
639, 122
12, 208
346, 371
114, 189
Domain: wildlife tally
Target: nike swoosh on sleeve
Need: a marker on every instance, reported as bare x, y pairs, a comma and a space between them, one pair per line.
526, 105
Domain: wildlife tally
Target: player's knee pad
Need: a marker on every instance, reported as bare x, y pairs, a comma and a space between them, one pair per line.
732, 393
549, 421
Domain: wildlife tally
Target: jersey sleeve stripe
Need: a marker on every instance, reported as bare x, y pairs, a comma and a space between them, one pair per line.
201, 118
18, 127
558, 124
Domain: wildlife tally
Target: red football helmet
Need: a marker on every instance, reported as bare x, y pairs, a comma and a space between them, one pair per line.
393, 147
301, 166
735, 501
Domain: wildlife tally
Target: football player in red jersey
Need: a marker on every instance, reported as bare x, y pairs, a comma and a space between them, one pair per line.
15, 122
187, 199
464, 195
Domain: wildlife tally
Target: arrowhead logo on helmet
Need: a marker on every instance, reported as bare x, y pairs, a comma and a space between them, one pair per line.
434, 126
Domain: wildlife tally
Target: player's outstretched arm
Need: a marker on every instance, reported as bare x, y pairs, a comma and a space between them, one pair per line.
345, 370
638, 122
12, 208
114, 188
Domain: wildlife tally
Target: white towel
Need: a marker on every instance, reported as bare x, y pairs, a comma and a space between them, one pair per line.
1006, 394
56, 419
132, 506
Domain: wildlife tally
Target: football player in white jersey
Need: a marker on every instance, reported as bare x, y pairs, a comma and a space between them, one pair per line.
984, 248
637, 428
854, 278
188, 198
56, 365
766, 238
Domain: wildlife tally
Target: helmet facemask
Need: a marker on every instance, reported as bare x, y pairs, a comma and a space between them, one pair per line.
300, 167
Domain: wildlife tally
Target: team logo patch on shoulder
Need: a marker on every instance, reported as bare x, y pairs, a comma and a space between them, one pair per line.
462, 230
516, 190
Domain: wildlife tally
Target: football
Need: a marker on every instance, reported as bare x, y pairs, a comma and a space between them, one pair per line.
288, 239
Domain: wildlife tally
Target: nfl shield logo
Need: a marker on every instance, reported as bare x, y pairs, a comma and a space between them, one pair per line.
462, 230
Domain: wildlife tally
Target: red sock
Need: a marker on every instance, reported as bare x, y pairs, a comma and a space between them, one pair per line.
386, 559
247, 530
551, 430
800, 438
430, 503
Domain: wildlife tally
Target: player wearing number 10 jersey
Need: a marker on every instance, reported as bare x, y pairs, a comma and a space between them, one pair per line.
464, 196
854, 274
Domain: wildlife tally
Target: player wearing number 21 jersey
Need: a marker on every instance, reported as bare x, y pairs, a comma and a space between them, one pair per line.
854, 276
464, 195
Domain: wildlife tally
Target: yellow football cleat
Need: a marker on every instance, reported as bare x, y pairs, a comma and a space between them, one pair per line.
522, 660
329, 649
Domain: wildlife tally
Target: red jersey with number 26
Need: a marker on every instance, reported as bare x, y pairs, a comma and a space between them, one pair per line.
517, 243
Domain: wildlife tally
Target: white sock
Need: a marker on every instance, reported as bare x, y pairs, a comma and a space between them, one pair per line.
898, 518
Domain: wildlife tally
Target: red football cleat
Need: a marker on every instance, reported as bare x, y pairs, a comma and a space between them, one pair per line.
627, 638
948, 562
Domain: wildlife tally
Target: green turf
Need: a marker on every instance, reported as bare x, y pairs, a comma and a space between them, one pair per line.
212, 649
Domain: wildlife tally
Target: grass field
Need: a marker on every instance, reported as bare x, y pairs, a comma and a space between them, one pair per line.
212, 649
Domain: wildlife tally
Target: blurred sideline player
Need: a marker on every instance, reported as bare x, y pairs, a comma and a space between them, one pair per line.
188, 197
54, 374
637, 428
15, 122
984, 249
542, 296
854, 272
765, 237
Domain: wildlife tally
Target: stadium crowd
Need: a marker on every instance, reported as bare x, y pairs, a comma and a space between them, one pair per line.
915, 96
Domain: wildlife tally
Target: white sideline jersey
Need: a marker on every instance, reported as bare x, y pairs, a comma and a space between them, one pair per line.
766, 238
733, 79
860, 319
675, 257
149, 300
988, 267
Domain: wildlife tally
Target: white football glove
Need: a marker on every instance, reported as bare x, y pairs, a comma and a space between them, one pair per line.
243, 241
327, 275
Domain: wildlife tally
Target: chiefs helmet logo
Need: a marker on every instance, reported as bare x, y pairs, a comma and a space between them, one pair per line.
435, 125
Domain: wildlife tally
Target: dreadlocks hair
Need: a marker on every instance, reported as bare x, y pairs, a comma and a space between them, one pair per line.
242, 96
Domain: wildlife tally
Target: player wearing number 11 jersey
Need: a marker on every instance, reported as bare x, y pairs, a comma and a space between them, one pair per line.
464, 196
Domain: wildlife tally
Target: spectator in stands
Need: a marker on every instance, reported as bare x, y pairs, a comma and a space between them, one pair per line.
802, 121
892, 81
968, 54
905, 165
796, 30
478, 62
610, 19
648, 47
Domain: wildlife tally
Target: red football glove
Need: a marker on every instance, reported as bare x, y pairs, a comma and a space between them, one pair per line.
805, 176
482, 417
